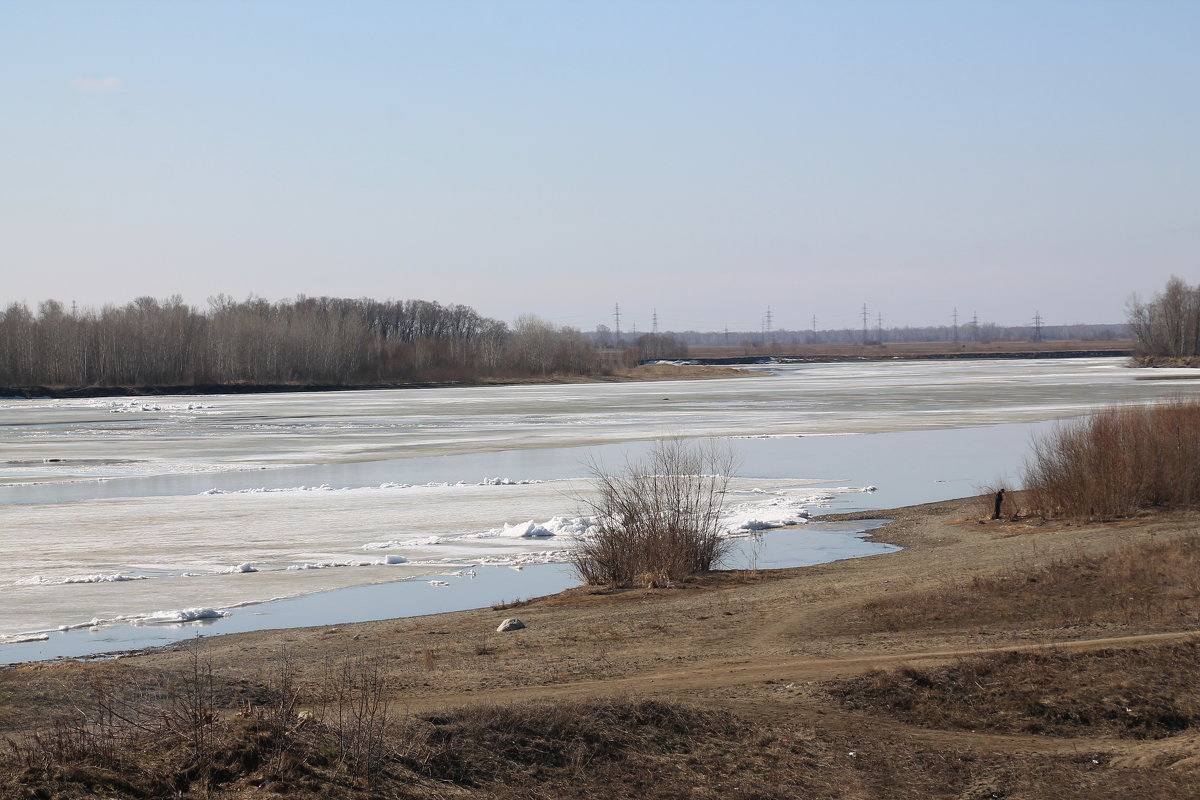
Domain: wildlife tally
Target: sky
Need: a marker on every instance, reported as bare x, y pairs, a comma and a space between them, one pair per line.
699, 161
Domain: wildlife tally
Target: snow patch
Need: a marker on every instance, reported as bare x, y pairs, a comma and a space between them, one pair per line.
332, 564
135, 406
561, 526
381, 487
427, 541
38, 580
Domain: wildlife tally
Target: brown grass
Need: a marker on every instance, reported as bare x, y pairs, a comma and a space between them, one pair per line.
1147, 692
569, 750
1154, 585
1118, 462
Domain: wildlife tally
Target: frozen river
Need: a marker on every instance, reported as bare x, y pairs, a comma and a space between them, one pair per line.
157, 510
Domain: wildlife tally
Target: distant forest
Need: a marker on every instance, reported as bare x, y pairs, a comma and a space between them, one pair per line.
328, 341
305, 341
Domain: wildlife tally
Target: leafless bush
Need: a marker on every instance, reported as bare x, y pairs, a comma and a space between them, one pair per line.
355, 705
659, 520
96, 734
1117, 462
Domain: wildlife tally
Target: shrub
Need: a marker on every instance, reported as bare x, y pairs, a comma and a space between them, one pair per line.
1117, 462
659, 520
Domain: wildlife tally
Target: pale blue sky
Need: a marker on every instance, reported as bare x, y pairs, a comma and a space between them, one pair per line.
705, 159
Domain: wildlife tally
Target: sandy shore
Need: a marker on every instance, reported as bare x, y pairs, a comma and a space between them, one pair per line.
729, 641
651, 640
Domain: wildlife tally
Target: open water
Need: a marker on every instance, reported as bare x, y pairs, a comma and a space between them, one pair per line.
157, 511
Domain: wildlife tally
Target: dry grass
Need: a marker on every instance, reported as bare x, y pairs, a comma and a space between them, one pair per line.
1117, 462
573, 751
1154, 585
1147, 692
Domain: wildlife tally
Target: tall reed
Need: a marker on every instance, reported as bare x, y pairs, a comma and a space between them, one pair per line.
1117, 462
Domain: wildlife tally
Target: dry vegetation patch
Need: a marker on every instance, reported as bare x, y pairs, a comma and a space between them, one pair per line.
1117, 462
546, 749
1154, 585
1146, 692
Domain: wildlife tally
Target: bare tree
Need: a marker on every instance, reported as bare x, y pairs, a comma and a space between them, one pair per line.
309, 340
1169, 325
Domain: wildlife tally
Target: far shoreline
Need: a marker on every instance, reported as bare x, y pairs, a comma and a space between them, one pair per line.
645, 372
707, 363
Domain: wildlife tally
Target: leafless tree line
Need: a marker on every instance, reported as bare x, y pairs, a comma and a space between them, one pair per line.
968, 331
305, 341
1169, 325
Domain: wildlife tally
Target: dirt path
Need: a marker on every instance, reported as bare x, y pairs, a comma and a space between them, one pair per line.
724, 673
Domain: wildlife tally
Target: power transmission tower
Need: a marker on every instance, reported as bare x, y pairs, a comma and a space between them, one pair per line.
879, 327
975, 326
617, 319
768, 323
864, 315
654, 321
1037, 326
955, 315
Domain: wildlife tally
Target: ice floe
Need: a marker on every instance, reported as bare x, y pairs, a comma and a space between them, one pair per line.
383, 486
179, 615
37, 580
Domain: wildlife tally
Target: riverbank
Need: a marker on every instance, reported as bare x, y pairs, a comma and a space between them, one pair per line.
763, 666
644, 372
888, 351
702, 362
